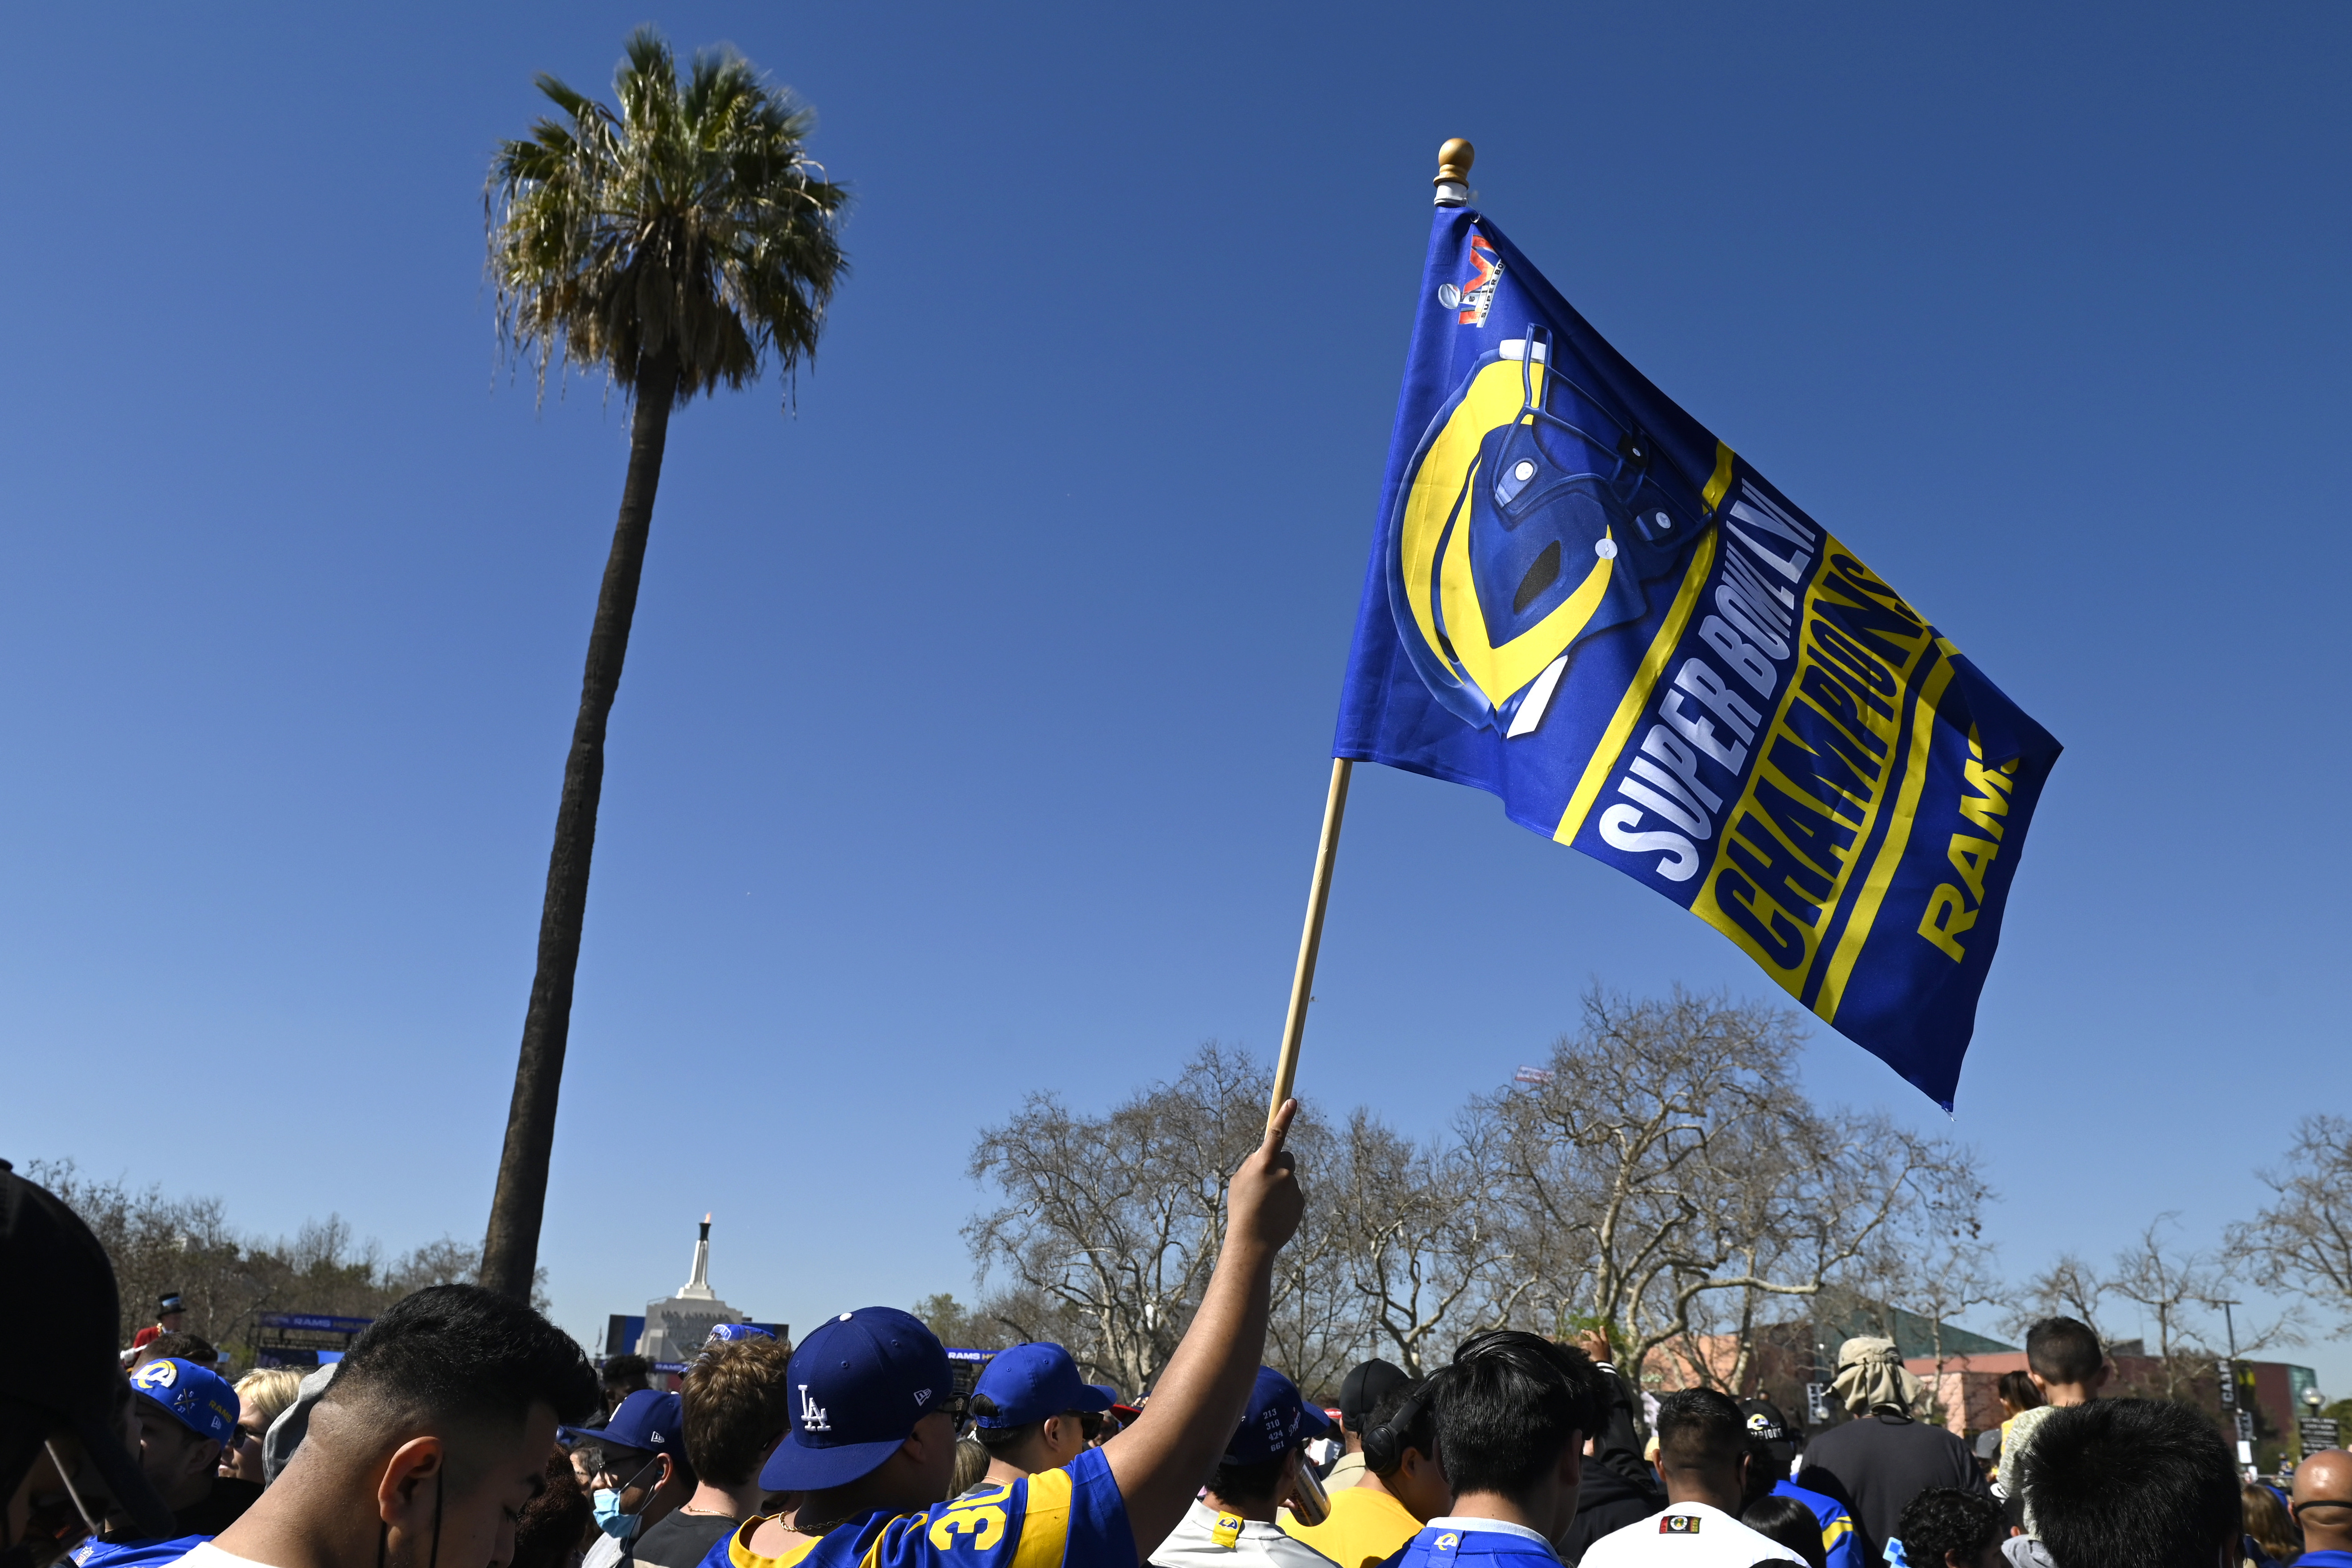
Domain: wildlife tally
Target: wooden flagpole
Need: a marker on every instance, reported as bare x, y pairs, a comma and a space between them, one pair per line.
1453, 184
1318, 897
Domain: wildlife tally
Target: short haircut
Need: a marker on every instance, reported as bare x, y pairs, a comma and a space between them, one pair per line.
629, 1371
2131, 1480
1252, 1483
1000, 1439
1509, 1405
1700, 1429
181, 1347
1792, 1524
1945, 1521
2064, 1349
2018, 1389
462, 1354
1421, 1432
735, 1403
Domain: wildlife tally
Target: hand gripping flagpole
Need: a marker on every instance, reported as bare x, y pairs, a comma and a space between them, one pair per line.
1452, 191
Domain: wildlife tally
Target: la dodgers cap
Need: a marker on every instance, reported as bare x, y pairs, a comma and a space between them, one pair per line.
57, 1292
198, 1397
859, 1384
1031, 1382
1277, 1421
652, 1422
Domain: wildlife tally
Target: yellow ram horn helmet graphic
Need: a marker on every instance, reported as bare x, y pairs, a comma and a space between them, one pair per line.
1519, 532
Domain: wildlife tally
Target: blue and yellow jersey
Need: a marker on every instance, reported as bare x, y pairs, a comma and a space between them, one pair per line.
1838, 1542
1071, 1517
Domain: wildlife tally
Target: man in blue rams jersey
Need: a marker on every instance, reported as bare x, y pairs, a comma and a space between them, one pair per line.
871, 1449
1512, 1412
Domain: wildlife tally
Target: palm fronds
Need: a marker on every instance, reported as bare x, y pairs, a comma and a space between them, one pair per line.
689, 227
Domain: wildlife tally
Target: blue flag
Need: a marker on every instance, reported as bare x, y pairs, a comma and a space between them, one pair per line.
1581, 601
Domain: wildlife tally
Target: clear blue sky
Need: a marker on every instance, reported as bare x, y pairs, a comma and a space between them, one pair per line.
974, 729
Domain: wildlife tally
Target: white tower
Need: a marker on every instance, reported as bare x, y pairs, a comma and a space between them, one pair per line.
677, 1326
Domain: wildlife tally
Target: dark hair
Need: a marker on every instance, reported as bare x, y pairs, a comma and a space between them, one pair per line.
1251, 1483
1700, 1429
548, 1531
1509, 1406
1943, 1522
2018, 1389
459, 1353
1000, 1439
1790, 1524
629, 1371
2131, 1480
735, 1403
1419, 1431
184, 1347
2062, 1351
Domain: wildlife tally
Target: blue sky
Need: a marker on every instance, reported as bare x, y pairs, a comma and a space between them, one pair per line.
975, 725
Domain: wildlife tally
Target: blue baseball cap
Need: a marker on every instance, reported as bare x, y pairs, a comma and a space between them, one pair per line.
644, 1420
199, 1397
1278, 1421
1029, 1382
728, 1331
859, 1384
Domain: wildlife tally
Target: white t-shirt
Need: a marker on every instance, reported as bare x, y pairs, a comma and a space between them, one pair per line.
207, 1556
1207, 1539
1687, 1535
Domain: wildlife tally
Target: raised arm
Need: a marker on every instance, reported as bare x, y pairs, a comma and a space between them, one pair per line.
1163, 1460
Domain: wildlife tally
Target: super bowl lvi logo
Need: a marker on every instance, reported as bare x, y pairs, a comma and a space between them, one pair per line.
1531, 518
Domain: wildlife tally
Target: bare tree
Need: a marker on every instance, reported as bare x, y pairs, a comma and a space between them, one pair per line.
2168, 1285
1423, 1245
1116, 1220
2302, 1244
1677, 1170
2069, 1288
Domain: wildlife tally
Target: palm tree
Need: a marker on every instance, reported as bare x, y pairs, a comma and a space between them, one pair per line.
677, 244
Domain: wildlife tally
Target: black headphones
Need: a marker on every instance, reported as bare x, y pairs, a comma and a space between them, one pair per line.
1385, 1444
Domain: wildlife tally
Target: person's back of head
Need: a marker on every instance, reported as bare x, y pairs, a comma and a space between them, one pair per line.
971, 1465
172, 1345
548, 1534
438, 1423
2132, 1483
1510, 1407
1702, 1447
2018, 1393
623, 1375
736, 1403
1361, 1390
1788, 1523
1400, 1440
2063, 1351
2269, 1523
1944, 1527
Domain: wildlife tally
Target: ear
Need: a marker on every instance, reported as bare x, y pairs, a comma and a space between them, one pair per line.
414, 1465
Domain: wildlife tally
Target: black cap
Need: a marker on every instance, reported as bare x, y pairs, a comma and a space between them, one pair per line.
1769, 1427
57, 1303
1363, 1389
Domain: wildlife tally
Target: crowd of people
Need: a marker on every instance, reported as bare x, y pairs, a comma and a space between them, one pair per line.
463, 1430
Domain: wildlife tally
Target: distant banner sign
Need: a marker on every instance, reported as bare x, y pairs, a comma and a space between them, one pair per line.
314, 1321
2318, 1433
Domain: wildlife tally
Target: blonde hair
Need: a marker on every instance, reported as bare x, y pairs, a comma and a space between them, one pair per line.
267, 1391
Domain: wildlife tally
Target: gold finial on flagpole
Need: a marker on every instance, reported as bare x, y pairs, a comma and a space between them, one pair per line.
1452, 180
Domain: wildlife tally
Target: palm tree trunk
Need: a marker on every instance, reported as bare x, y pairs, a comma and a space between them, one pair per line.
510, 1249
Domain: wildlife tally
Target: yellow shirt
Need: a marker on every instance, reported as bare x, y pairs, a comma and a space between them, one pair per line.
1366, 1528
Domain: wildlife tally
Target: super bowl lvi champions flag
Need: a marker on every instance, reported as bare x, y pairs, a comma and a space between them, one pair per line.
1582, 601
